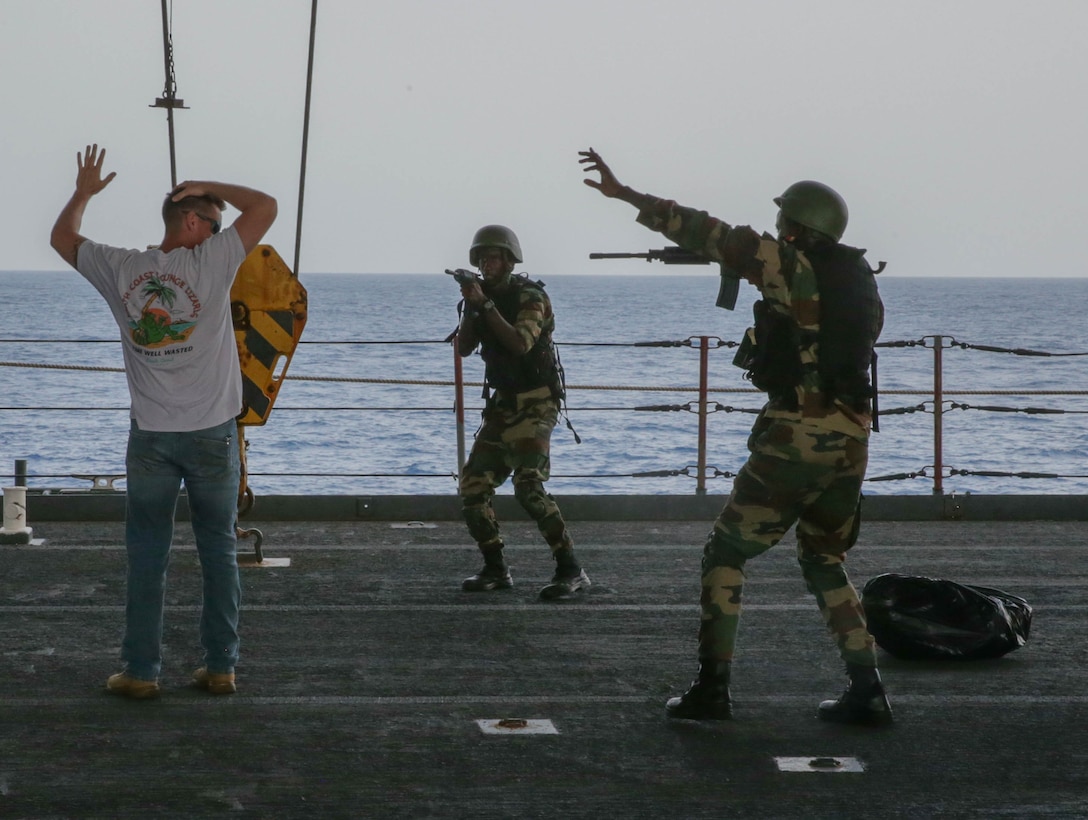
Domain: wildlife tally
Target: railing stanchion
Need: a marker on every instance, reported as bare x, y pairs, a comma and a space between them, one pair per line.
704, 350
459, 408
938, 414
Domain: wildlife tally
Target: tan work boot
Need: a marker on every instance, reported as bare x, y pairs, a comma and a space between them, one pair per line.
128, 687
217, 683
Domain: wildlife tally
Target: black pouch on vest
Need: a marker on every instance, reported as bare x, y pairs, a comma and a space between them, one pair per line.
770, 352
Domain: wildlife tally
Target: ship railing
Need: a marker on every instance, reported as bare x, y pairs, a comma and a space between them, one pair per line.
938, 399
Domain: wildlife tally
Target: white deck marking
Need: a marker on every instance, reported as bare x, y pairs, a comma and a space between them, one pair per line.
827, 764
517, 726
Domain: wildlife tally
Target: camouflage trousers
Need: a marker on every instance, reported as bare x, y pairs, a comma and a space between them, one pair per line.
799, 474
515, 437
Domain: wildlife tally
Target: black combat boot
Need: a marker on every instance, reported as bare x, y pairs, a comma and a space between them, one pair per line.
494, 575
569, 577
863, 702
707, 698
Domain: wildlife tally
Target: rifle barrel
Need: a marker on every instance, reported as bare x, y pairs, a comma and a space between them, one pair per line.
670, 256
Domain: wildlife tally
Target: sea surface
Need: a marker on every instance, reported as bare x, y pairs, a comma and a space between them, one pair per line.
367, 405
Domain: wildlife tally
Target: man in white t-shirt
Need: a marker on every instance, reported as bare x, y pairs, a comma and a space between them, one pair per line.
172, 306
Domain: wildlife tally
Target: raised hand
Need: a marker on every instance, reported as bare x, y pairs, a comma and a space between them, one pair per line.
89, 178
609, 185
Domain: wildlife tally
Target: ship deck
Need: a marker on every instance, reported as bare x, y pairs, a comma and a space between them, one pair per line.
366, 674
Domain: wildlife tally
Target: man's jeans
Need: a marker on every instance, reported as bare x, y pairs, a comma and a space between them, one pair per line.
157, 464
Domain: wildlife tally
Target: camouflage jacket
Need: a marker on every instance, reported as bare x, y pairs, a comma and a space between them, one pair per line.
788, 283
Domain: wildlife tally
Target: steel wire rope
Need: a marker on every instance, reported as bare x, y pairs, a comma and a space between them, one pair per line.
667, 343
1029, 410
902, 343
355, 408
1016, 351
663, 343
999, 474
900, 476
628, 388
98, 478
661, 473
923, 342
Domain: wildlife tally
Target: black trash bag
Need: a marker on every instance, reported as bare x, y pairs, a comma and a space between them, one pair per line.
919, 618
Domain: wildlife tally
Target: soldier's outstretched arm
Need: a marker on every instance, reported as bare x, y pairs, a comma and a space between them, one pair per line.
693, 230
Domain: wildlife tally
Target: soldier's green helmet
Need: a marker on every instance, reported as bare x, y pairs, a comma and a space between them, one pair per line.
494, 236
815, 206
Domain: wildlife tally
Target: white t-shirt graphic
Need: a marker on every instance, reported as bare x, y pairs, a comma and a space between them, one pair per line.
173, 311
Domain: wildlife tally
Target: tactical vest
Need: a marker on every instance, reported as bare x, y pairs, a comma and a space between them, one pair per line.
508, 372
851, 318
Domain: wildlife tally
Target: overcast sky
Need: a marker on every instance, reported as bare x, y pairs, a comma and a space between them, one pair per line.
955, 129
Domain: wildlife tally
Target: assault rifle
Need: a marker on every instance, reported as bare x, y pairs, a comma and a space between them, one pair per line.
675, 255
464, 277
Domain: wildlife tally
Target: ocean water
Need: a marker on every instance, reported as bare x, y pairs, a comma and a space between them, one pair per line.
367, 409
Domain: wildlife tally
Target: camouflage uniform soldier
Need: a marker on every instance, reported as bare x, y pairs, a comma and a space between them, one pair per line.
510, 318
810, 350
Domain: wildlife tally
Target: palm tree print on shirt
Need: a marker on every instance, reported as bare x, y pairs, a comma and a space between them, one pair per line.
156, 327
